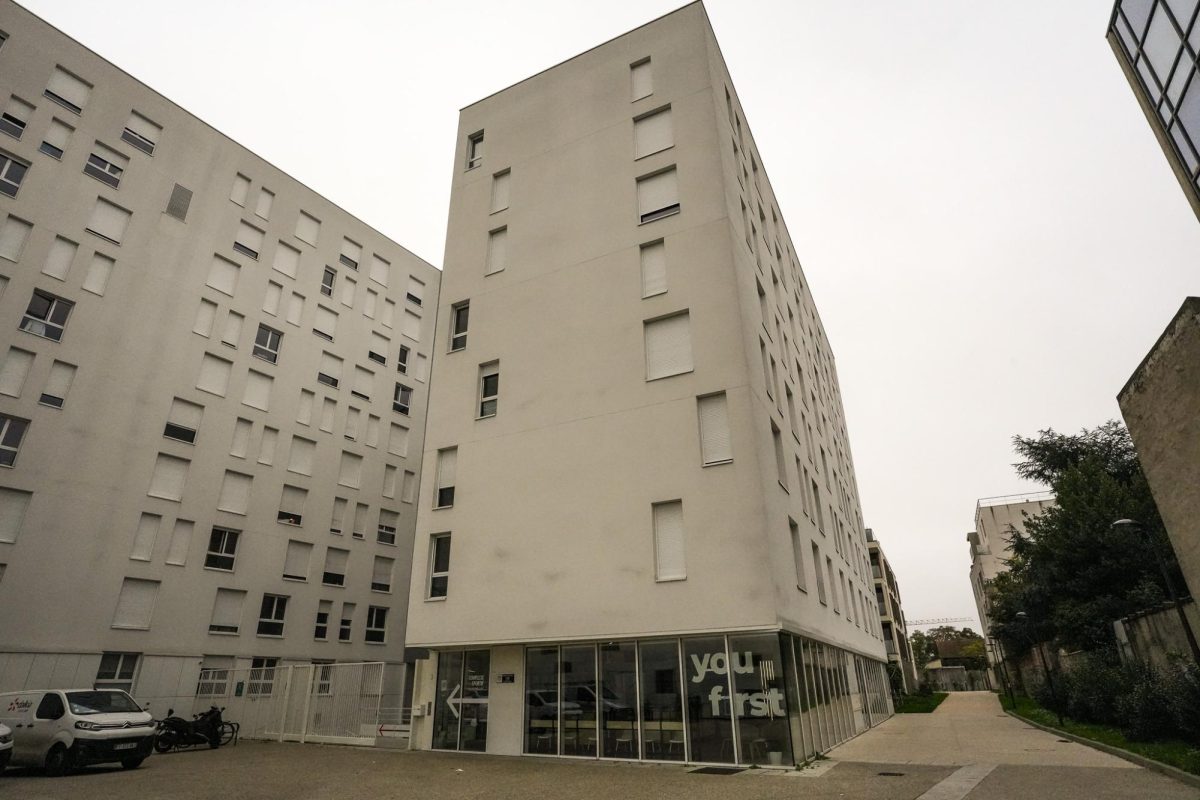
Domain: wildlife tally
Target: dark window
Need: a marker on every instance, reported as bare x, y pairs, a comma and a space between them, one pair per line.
266, 343
51, 707
12, 430
459, 315
222, 549
173, 431
46, 315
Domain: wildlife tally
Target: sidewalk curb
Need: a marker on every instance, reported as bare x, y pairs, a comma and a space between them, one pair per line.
1142, 761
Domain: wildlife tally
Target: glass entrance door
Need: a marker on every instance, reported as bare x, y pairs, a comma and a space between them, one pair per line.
460, 711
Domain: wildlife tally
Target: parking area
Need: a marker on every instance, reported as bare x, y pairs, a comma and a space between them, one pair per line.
271, 771
967, 749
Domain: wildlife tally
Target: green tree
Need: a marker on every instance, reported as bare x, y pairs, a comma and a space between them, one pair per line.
922, 647
1073, 573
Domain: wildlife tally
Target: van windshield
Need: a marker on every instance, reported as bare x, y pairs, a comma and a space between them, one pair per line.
101, 702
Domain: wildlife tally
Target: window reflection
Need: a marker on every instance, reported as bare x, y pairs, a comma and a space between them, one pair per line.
760, 701
662, 702
578, 703
618, 699
708, 699
541, 700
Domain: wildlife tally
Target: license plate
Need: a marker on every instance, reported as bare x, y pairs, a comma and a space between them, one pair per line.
125, 746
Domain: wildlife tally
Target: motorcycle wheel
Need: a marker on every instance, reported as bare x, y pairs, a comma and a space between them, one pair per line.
164, 743
214, 740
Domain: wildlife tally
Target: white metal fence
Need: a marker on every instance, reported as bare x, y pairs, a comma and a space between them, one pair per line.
326, 703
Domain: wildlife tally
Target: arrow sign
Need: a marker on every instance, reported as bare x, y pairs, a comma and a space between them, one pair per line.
454, 702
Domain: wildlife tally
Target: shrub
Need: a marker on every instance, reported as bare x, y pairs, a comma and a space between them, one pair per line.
1146, 711
1183, 692
1092, 687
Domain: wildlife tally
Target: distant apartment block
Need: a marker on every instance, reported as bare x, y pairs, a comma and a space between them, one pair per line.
213, 388
642, 538
997, 521
902, 670
1157, 42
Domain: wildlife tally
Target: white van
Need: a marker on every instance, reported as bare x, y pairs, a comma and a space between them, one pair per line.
60, 729
5, 746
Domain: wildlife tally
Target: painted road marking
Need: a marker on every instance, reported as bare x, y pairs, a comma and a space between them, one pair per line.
959, 783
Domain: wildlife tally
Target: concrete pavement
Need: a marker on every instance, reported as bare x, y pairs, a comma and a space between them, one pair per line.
966, 749
969, 728
998, 756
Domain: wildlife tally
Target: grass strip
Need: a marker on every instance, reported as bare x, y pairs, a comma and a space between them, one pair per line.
1172, 752
920, 703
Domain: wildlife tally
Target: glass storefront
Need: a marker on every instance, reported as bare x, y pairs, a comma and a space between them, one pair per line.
764, 699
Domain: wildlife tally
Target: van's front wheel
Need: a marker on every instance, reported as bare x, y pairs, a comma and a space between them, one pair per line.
132, 762
58, 761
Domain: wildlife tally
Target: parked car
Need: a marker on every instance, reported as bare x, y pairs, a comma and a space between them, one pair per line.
60, 729
6, 746
542, 705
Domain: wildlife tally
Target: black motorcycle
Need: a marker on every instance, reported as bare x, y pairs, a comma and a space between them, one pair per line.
175, 733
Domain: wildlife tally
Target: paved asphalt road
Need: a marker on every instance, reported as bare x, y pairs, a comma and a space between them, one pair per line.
967, 748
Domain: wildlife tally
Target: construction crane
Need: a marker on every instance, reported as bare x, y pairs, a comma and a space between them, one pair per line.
918, 623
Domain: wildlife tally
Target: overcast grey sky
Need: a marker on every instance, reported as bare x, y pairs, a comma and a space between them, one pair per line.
991, 233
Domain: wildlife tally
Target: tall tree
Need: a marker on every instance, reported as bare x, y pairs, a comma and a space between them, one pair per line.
922, 647
1073, 572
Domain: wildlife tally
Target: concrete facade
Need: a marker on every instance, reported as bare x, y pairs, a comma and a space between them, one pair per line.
1156, 45
1161, 407
159, 412
997, 520
665, 456
891, 618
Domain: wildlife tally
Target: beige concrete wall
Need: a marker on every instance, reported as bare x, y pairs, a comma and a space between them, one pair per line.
506, 701
557, 543
89, 464
996, 519
1161, 407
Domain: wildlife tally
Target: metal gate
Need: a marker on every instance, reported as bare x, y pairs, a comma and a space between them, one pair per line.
327, 703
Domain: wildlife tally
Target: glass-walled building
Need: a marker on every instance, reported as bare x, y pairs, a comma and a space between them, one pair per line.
1157, 43
763, 699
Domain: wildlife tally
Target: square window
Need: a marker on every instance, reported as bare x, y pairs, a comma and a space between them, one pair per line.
376, 624
222, 549
46, 315
116, 671
12, 172
266, 343
270, 618
15, 116
58, 133
141, 133
106, 165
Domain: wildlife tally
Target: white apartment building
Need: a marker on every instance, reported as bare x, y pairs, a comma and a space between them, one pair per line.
903, 671
213, 388
644, 538
997, 520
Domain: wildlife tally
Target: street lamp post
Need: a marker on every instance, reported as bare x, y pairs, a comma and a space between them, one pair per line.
1170, 584
998, 652
1021, 615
